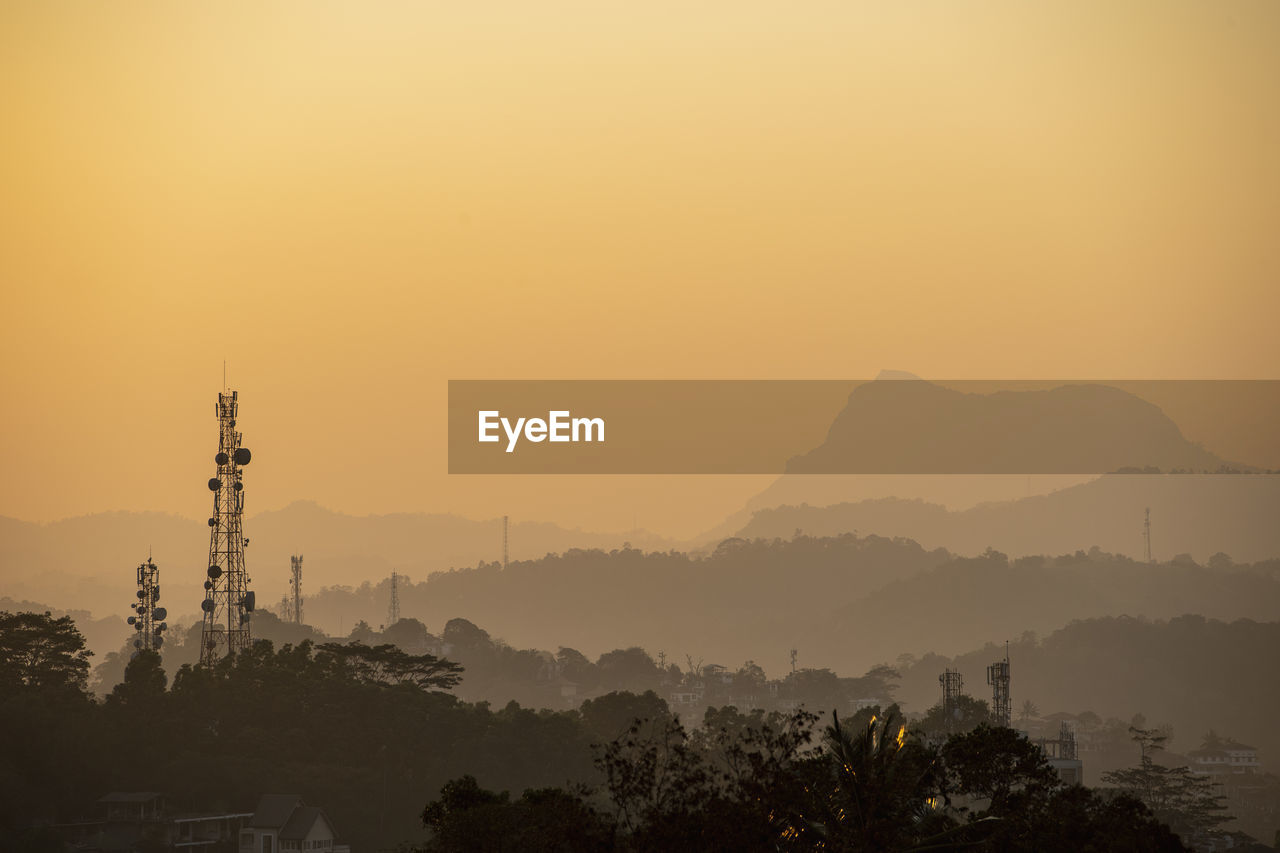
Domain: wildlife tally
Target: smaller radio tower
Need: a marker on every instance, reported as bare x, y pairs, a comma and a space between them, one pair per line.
295, 588
951, 682
998, 678
504, 541
1146, 534
148, 619
393, 608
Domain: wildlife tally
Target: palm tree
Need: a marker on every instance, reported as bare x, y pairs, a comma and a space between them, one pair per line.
879, 788
1029, 711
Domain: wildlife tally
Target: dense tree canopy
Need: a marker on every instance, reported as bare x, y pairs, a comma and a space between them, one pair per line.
370, 733
42, 652
754, 782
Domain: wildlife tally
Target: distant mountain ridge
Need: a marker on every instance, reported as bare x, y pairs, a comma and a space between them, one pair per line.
1195, 673
846, 602
1194, 514
918, 427
87, 562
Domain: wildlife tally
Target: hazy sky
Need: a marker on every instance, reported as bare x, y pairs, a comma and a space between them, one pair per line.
354, 202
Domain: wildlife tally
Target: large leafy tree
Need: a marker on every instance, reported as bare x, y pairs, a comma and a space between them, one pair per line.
144, 680
1184, 800
469, 819
386, 664
39, 651
47, 747
966, 714
999, 766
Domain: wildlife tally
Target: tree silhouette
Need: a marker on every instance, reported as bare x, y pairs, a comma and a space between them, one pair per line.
1175, 795
144, 680
879, 788
38, 651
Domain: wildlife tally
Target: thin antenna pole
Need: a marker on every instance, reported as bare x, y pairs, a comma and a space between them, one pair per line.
1146, 534
393, 608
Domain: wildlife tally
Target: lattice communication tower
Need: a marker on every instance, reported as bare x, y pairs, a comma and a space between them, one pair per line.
228, 601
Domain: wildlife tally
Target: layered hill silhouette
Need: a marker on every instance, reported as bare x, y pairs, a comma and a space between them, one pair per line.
975, 600
87, 562
846, 602
1198, 515
1193, 673
918, 427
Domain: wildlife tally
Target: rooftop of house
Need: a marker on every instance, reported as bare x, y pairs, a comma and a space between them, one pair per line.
300, 823
274, 810
288, 815
1220, 750
129, 797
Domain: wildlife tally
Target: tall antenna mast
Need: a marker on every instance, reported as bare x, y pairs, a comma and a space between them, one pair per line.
393, 609
504, 541
1146, 534
148, 619
228, 601
998, 678
952, 683
295, 588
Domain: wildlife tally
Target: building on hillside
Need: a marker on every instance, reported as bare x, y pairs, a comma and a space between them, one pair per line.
131, 806
132, 821
283, 822
1063, 755
1217, 756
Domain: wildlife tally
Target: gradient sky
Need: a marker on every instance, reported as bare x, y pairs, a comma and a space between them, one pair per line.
354, 202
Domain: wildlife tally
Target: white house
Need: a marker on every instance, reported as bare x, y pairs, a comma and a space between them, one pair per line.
283, 822
1224, 756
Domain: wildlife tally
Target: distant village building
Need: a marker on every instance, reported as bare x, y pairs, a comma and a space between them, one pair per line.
1216, 757
283, 822
1063, 755
141, 822
130, 821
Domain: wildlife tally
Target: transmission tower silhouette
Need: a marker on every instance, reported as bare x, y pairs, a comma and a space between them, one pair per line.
228, 601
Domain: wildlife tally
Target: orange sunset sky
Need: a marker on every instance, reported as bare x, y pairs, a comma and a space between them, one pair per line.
354, 202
